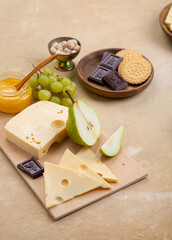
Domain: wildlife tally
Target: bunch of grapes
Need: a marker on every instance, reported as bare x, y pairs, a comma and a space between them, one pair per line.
50, 86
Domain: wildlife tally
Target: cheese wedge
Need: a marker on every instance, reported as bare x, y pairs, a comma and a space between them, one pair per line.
171, 27
90, 159
37, 127
63, 184
69, 160
168, 19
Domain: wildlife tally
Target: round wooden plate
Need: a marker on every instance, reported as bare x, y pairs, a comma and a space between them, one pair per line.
87, 65
162, 18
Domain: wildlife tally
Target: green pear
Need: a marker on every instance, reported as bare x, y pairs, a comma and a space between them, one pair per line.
83, 125
112, 146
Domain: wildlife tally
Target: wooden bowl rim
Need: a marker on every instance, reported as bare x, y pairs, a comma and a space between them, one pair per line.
104, 92
162, 23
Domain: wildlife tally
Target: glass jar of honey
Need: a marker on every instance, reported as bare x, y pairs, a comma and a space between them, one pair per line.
12, 101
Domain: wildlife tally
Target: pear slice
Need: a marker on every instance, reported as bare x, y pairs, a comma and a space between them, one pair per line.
112, 146
83, 125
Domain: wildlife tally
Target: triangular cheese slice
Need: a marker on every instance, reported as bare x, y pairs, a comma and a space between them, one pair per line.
90, 159
171, 27
168, 19
69, 160
62, 184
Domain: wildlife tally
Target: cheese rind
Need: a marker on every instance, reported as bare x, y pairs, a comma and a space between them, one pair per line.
37, 127
89, 158
69, 160
63, 184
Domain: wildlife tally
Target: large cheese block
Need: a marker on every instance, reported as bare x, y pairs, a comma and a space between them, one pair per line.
37, 127
69, 160
168, 19
63, 184
91, 160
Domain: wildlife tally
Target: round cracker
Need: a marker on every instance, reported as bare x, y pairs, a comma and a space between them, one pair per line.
127, 54
135, 71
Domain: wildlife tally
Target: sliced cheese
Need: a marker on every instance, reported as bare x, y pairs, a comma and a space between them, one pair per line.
69, 160
63, 184
171, 27
168, 19
37, 127
90, 159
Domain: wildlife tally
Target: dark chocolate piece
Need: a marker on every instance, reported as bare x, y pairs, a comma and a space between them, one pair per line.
98, 74
111, 61
31, 167
115, 81
105, 55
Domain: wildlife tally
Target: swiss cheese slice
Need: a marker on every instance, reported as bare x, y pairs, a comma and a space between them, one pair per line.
171, 27
69, 160
90, 159
168, 19
63, 184
37, 127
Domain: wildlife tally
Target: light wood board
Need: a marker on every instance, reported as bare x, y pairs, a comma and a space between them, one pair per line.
123, 166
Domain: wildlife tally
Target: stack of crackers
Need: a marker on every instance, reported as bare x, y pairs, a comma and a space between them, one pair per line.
134, 69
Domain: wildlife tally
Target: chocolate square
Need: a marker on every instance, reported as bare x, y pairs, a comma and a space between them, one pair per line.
31, 167
105, 55
115, 81
111, 61
97, 75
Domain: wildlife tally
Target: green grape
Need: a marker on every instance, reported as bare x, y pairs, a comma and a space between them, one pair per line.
66, 82
56, 87
57, 76
44, 95
67, 102
47, 88
48, 72
34, 94
43, 80
52, 79
73, 84
71, 91
55, 99
33, 81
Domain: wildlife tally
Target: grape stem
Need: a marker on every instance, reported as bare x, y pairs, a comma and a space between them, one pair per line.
39, 70
68, 93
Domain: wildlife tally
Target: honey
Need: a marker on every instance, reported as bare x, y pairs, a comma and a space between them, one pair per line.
12, 101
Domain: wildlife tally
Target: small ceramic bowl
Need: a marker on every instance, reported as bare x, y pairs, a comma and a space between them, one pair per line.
162, 18
64, 62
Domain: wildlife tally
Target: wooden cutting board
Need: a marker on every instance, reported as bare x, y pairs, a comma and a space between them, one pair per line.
123, 166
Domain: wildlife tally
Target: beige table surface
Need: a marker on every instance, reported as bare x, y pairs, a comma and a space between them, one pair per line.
142, 211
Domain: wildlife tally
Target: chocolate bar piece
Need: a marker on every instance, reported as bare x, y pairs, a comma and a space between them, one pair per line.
105, 55
115, 81
31, 167
111, 61
98, 74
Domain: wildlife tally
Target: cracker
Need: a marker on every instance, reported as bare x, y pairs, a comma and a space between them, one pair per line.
135, 71
127, 54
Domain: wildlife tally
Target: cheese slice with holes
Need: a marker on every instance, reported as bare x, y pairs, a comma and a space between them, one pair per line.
90, 159
37, 127
69, 160
168, 19
63, 184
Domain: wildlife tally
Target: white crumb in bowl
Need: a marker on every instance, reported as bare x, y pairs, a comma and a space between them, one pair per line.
53, 49
55, 45
77, 48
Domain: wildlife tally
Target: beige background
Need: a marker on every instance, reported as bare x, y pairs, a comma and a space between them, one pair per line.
142, 211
